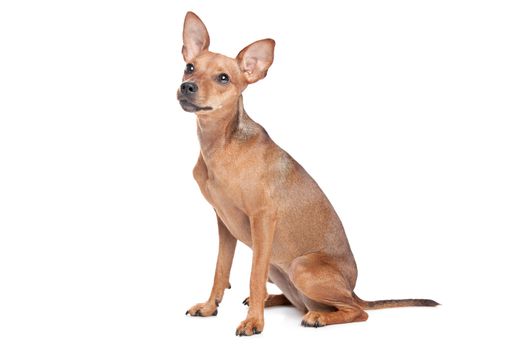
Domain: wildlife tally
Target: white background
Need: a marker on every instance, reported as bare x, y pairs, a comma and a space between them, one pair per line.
409, 114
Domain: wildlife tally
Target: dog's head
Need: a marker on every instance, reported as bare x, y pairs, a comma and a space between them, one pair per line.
213, 81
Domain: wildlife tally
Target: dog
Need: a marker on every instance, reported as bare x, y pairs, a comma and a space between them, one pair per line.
264, 198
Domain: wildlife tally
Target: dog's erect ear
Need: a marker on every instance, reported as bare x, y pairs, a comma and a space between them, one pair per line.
255, 59
195, 37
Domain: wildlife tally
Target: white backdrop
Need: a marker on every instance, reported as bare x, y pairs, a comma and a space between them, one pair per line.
409, 114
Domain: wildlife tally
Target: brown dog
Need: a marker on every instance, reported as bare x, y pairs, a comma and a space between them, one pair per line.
264, 198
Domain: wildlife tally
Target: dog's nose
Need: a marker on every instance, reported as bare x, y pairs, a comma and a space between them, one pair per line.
188, 88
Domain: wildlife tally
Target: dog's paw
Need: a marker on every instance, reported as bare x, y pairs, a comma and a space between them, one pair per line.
250, 326
313, 319
203, 310
271, 300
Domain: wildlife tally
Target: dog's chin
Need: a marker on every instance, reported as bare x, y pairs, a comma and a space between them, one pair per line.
192, 108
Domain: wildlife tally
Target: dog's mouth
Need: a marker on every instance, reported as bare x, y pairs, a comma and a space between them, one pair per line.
190, 107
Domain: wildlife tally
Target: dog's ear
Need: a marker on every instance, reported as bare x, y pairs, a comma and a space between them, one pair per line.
195, 37
255, 59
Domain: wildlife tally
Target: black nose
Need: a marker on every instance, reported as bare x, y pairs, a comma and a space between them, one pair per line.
188, 88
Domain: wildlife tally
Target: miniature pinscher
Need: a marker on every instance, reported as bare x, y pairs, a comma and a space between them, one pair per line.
264, 198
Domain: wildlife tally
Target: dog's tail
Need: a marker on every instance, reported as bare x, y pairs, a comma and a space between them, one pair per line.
383, 304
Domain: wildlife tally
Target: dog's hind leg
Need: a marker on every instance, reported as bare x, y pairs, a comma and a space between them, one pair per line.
327, 293
272, 300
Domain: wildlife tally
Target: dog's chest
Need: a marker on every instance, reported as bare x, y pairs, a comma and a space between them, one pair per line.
219, 185
222, 189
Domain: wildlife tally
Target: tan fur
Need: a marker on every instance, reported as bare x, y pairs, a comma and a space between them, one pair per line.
264, 198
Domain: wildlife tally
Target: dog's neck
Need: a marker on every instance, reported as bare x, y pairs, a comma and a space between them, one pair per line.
216, 129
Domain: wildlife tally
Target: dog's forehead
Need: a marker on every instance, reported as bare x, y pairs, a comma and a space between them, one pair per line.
215, 61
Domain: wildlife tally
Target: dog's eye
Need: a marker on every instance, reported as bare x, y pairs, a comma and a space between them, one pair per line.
189, 68
223, 78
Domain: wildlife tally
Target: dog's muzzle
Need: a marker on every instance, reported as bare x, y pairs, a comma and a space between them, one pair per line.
185, 96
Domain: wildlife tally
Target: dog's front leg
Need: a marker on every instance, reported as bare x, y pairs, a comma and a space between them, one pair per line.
262, 231
227, 244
